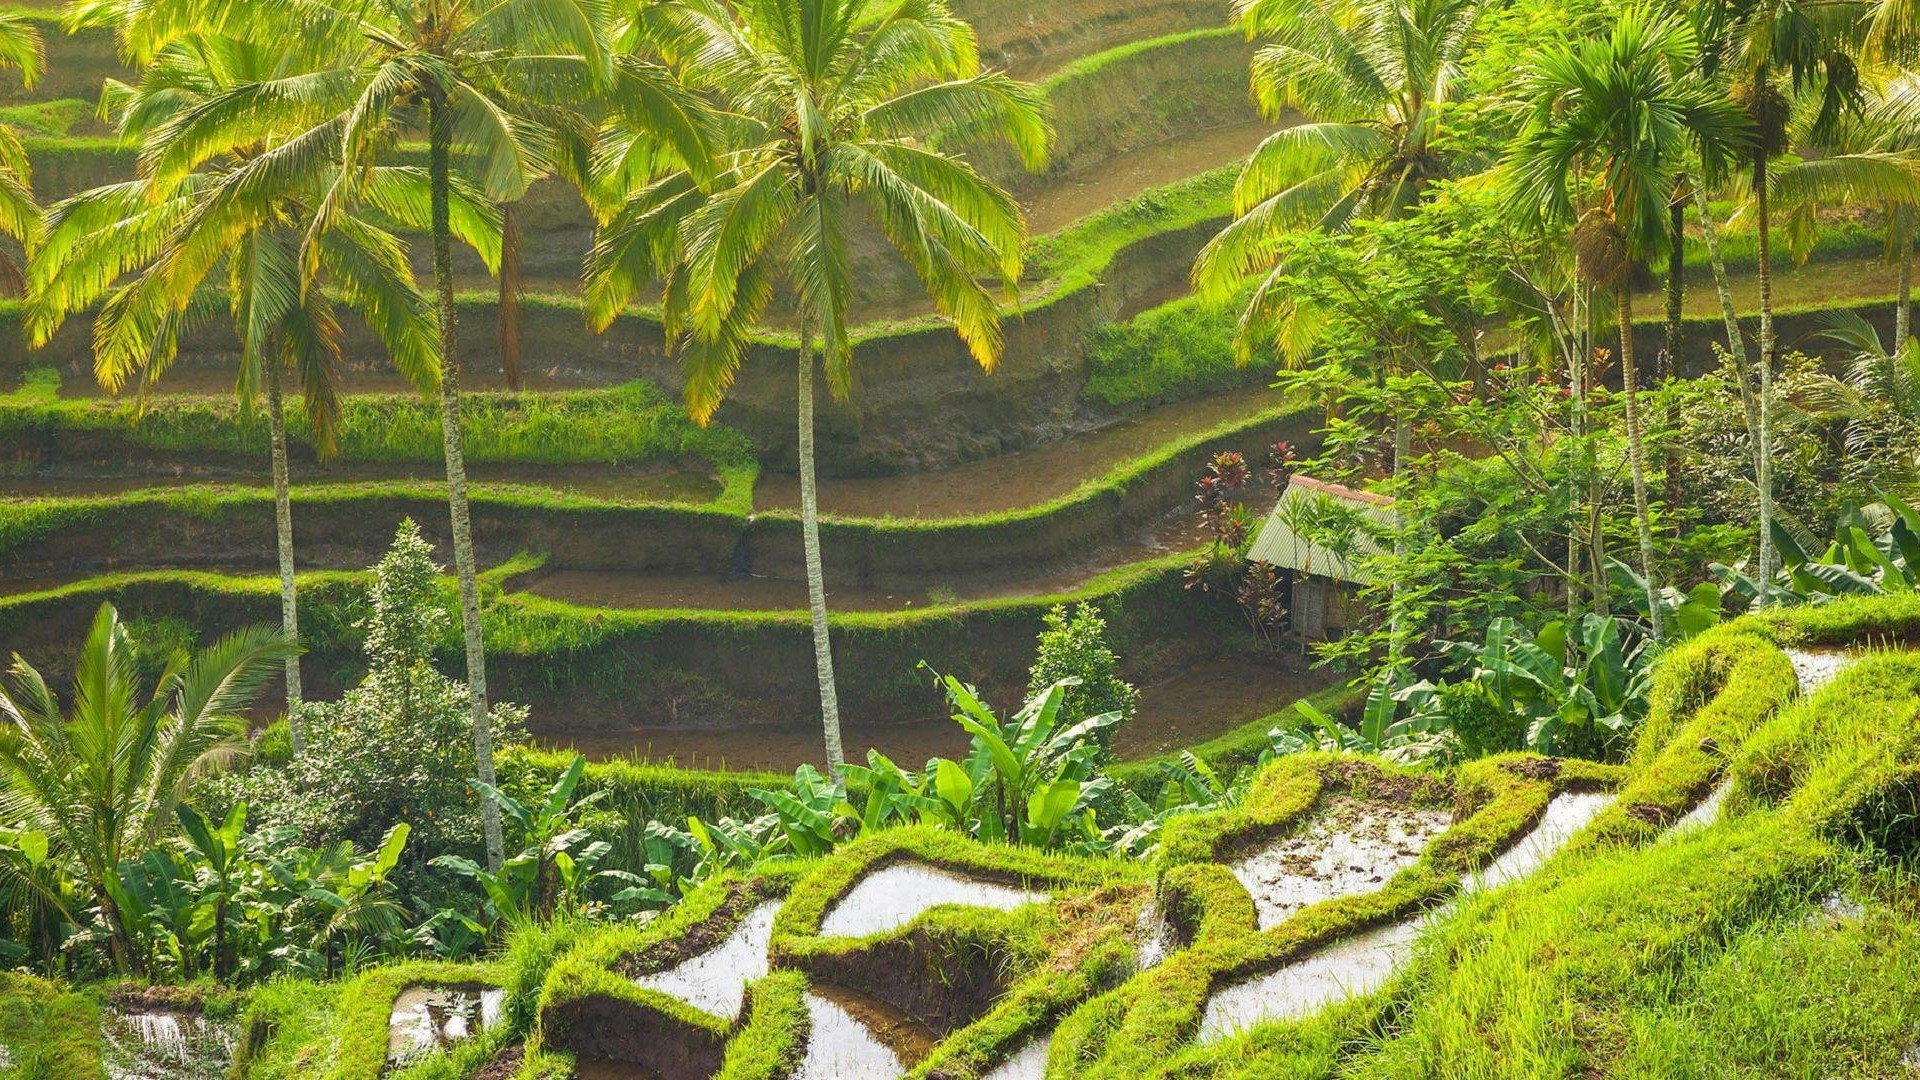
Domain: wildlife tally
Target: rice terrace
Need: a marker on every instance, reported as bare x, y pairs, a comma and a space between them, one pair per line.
959, 539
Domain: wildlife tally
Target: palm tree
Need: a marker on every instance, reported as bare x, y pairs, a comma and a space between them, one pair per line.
476, 77
1371, 77
823, 104
1623, 109
22, 50
100, 782
148, 245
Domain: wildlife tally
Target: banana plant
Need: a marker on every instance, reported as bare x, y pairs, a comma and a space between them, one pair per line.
1874, 552
1034, 775
1682, 614
557, 860
1576, 689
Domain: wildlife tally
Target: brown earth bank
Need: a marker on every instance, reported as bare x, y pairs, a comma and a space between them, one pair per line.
1211, 698
341, 528
919, 400
719, 672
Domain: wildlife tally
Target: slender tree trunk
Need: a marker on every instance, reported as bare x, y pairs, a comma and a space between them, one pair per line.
510, 295
1402, 449
1577, 427
1763, 450
283, 538
1903, 313
1596, 535
1636, 459
1674, 338
1736, 341
440, 144
810, 534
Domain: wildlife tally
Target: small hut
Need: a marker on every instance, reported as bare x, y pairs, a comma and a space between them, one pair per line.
1320, 534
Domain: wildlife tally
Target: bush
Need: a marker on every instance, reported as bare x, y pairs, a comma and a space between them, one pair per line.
1074, 645
1481, 727
398, 747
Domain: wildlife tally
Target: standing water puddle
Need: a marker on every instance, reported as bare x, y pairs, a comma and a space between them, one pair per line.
1350, 848
429, 1018
716, 980
1027, 1063
1154, 937
893, 896
840, 1047
1817, 667
160, 1045
1362, 963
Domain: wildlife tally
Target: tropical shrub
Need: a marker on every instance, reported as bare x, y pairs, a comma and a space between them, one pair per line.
92, 791
397, 747
1073, 645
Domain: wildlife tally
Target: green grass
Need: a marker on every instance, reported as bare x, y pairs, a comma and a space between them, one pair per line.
626, 424
47, 119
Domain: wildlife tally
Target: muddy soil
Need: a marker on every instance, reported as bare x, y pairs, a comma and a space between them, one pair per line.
745, 592
616, 1040
1020, 479
1349, 847
1094, 188
1213, 697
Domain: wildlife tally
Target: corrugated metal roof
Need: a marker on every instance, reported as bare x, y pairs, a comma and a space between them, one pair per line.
1316, 507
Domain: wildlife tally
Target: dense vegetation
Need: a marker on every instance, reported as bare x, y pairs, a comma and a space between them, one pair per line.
1513, 272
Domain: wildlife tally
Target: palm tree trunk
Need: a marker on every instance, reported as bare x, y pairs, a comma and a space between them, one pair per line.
1636, 460
283, 539
1596, 536
510, 295
1763, 447
1402, 449
1903, 314
1674, 337
1577, 427
810, 536
440, 145
1736, 341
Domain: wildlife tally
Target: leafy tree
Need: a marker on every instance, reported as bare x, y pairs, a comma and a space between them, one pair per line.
99, 783
395, 747
1073, 645
1622, 111
823, 105
144, 249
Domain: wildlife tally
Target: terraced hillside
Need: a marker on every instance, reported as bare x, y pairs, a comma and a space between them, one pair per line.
1736, 897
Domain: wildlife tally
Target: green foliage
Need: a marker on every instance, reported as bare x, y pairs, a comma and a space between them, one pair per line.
1178, 349
397, 747
1073, 645
630, 424
91, 792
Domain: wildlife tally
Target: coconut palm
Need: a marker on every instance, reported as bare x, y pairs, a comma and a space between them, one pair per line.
22, 50
825, 104
477, 77
1620, 110
1371, 77
147, 246
100, 782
